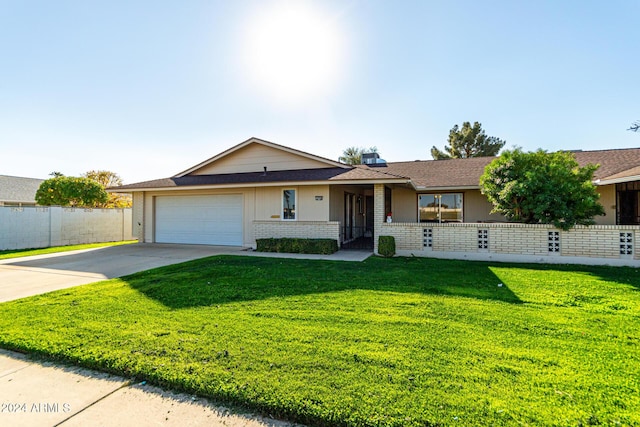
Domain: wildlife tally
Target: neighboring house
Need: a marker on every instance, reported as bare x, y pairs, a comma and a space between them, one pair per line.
18, 191
259, 189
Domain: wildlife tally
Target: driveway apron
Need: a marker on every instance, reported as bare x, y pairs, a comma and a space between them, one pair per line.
23, 277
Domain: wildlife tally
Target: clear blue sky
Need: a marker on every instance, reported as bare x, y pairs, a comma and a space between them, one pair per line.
150, 88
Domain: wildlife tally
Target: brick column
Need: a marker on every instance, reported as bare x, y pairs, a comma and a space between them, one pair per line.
378, 213
137, 222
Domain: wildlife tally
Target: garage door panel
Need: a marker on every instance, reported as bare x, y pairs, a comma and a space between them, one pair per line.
209, 220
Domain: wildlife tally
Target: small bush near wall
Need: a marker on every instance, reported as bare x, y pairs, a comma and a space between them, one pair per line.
297, 246
387, 246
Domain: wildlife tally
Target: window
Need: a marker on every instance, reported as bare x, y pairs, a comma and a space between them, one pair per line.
440, 207
289, 204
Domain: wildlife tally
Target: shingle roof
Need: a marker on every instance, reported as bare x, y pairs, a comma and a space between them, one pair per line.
453, 173
620, 162
456, 173
302, 175
423, 174
18, 190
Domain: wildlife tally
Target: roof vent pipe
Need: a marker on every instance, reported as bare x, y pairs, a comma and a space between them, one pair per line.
265, 171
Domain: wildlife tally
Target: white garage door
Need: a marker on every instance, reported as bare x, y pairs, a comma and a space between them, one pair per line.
202, 220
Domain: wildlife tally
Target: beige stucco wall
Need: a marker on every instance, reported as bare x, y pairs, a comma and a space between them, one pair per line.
477, 208
254, 157
404, 205
608, 201
268, 203
311, 209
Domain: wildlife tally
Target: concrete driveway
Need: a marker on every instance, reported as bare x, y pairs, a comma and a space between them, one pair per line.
23, 277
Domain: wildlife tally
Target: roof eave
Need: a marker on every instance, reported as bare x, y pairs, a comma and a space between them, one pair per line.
441, 188
261, 184
621, 180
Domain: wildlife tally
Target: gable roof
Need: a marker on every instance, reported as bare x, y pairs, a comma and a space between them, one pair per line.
253, 140
18, 190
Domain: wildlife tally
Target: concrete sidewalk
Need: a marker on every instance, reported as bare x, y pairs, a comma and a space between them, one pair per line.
34, 393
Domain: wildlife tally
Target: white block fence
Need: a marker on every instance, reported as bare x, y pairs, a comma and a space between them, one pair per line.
41, 227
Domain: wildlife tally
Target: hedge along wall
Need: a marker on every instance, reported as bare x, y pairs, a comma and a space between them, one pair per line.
596, 244
41, 227
297, 229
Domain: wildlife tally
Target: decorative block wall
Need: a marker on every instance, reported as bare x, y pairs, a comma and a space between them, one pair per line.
500, 241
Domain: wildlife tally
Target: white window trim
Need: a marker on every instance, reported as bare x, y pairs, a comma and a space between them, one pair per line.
295, 203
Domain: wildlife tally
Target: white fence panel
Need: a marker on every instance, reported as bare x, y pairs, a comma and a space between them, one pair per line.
40, 227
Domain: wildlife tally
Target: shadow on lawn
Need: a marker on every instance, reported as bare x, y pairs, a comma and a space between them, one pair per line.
223, 279
622, 275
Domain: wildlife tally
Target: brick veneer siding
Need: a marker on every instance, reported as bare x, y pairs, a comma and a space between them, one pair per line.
598, 244
297, 229
378, 214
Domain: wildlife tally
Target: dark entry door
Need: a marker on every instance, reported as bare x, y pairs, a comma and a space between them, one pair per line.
349, 216
628, 207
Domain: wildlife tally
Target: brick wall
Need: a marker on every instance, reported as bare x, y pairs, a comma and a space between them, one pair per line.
378, 213
598, 244
297, 229
41, 227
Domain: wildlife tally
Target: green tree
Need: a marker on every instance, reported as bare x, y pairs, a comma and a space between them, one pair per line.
110, 179
71, 191
106, 178
353, 155
540, 187
468, 141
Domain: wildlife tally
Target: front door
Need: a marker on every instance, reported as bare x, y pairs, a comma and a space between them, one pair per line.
349, 216
628, 204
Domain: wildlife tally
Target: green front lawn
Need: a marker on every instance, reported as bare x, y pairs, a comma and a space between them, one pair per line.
19, 253
386, 342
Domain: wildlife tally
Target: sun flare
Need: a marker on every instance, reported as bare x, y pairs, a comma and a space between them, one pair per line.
292, 52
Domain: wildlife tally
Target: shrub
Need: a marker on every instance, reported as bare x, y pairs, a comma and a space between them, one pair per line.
542, 188
387, 246
297, 246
